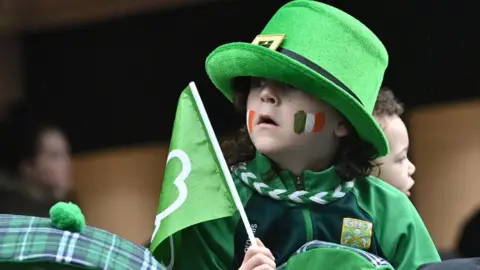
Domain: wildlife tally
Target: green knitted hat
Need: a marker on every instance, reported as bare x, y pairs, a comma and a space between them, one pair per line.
319, 49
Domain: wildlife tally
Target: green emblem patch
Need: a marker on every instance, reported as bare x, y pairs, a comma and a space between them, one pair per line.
356, 233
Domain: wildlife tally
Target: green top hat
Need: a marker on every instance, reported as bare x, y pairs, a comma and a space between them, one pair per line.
65, 242
319, 49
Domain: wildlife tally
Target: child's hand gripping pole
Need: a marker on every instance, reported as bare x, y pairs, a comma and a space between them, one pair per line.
223, 164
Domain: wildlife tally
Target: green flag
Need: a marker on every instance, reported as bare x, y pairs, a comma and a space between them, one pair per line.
197, 180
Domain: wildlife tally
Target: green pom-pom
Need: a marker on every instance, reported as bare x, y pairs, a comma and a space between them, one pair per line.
67, 216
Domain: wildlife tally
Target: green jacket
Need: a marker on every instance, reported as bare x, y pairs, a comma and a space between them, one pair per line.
373, 216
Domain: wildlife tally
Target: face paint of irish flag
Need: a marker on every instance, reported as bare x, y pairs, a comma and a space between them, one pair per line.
250, 120
308, 122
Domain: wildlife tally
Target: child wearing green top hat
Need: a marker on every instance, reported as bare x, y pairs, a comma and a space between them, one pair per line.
307, 86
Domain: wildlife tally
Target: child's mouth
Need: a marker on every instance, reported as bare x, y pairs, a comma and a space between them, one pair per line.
265, 119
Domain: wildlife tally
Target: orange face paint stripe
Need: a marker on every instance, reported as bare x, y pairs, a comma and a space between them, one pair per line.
250, 120
319, 122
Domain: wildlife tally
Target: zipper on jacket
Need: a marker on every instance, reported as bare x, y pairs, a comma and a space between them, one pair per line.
308, 223
299, 183
305, 211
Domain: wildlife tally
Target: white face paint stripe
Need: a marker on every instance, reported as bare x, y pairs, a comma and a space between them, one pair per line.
310, 122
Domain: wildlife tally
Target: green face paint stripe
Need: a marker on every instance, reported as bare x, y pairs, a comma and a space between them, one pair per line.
299, 122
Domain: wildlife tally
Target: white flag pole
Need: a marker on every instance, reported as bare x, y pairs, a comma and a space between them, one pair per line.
223, 163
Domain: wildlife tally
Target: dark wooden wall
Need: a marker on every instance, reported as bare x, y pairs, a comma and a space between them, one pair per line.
116, 83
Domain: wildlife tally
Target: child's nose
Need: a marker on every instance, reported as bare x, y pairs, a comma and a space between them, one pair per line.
411, 168
270, 94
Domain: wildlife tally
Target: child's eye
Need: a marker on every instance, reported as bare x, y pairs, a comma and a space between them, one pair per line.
257, 82
287, 88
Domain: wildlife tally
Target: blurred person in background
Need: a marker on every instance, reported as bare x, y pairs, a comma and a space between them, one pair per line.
395, 168
44, 161
40, 173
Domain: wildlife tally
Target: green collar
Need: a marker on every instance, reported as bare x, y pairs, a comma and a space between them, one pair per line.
311, 187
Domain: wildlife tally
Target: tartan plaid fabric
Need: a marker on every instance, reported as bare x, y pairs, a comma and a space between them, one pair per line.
376, 261
32, 239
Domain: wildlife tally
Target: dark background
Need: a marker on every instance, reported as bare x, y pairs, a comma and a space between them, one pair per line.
116, 83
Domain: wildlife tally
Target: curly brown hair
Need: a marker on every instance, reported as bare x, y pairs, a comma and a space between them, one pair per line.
354, 157
387, 104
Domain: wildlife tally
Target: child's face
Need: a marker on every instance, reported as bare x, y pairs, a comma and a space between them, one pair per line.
395, 168
51, 166
292, 127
